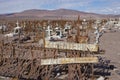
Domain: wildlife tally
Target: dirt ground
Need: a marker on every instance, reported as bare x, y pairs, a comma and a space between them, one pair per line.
110, 42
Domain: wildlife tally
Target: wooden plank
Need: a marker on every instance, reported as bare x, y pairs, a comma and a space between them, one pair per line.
69, 60
71, 46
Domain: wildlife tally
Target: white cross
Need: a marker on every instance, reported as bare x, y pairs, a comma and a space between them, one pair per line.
17, 23
48, 31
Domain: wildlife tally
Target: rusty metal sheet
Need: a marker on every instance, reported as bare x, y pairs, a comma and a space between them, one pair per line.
71, 46
69, 60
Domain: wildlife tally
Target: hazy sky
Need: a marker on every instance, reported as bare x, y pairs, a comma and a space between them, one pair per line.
95, 6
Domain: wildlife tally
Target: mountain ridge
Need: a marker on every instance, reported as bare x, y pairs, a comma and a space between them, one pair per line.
46, 14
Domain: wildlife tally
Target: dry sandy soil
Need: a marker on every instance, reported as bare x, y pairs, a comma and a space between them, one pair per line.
110, 42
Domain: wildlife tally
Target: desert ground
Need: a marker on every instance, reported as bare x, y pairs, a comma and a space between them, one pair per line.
110, 42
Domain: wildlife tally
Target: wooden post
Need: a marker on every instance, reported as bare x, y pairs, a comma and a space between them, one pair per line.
43, 33
19, 38
79, 71
92, 71
13, 51
2, 47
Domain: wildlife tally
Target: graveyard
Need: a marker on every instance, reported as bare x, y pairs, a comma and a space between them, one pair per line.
60, 49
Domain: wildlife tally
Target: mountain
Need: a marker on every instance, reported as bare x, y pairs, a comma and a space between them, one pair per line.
53, 14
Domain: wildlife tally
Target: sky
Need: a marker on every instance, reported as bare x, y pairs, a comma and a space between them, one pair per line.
93, 6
